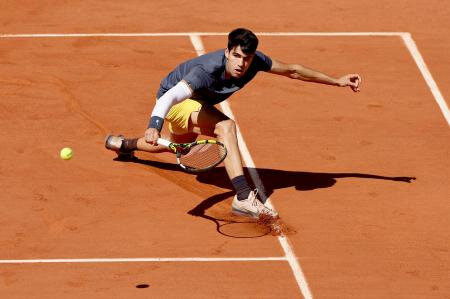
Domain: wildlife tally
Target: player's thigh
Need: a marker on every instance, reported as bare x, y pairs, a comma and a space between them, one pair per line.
183, 138
204, 121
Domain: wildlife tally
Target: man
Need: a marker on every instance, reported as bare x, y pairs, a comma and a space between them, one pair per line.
186, 100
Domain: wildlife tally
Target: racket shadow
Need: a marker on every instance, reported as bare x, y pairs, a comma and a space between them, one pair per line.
229, 226
226, 224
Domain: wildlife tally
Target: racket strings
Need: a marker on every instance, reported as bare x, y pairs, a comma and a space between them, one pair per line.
203, 156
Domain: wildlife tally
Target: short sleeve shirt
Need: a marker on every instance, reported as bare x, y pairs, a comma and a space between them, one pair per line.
206, 76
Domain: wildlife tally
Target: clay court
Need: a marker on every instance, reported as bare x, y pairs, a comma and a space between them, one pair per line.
361, 180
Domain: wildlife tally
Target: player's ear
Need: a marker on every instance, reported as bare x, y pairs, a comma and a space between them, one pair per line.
227, 53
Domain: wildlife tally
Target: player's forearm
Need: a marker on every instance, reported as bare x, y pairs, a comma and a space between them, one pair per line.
176, 94
305, 74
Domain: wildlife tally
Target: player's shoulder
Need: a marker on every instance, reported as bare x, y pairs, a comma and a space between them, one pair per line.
261, 62
209, 65
260, 55
212, 61
217, 54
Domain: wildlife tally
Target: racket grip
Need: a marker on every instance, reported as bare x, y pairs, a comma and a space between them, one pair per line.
163, 142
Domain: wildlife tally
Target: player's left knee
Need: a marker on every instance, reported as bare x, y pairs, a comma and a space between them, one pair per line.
226, 127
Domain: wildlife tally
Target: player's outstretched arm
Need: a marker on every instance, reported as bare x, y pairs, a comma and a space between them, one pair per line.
300, 72
180, 92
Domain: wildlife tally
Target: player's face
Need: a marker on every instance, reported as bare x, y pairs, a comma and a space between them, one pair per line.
237, 62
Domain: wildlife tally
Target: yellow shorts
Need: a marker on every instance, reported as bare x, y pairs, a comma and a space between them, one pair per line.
179, 114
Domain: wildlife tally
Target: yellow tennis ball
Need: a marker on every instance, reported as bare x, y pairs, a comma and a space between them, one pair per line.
66, 153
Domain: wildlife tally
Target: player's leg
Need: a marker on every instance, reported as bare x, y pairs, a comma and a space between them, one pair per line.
212, 122
177, 121
126, 146
188, 119
142, 145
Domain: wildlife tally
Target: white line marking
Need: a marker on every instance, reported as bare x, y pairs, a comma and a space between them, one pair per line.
134, 260
412, 47
47, 35
284, 242
197, 43
295, 266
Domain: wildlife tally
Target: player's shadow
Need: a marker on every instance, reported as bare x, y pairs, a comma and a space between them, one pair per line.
271, 179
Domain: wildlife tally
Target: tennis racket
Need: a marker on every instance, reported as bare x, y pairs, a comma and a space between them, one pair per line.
198, 156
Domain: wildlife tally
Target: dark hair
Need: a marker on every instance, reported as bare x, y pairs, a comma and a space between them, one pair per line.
244, 38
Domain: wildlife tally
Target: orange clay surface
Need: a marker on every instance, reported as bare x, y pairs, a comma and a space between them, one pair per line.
338, 166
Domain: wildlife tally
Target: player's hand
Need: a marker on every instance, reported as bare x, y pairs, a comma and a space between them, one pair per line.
352, 80
151, 136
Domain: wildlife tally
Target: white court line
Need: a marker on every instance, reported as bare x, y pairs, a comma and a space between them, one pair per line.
284, 242
134, 260
412, 47
149, 34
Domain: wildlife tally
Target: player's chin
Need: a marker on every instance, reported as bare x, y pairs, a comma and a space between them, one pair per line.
238, 74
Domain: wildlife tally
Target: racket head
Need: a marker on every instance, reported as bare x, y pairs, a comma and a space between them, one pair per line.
201, 155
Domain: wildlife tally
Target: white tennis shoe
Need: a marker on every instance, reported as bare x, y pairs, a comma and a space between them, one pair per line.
114, 143
251, 207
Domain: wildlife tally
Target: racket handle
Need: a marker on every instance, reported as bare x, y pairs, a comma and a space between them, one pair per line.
163, 142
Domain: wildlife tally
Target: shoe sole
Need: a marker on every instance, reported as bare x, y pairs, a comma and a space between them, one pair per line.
241, 213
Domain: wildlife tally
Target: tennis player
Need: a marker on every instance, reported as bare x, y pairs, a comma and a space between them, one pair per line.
186, 99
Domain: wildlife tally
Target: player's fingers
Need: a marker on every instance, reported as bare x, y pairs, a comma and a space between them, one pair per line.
356, 81
149, 138
359, 80
155, 137
353, 77
352, 84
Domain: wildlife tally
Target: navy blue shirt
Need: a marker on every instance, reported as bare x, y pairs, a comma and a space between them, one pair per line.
206, 76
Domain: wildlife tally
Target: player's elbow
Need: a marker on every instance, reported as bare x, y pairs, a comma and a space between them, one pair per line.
296, 71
